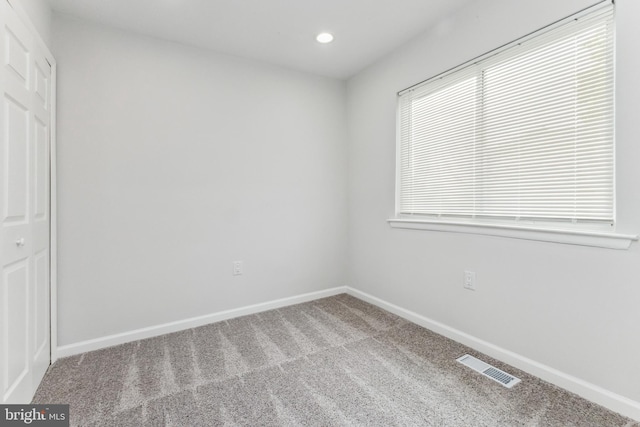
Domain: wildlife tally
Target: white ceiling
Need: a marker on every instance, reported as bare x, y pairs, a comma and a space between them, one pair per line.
281, 32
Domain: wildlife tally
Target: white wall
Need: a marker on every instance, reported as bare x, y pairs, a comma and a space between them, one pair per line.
571, 308
173, 162
39, 13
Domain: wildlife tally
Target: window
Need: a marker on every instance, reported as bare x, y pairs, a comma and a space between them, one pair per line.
521, 136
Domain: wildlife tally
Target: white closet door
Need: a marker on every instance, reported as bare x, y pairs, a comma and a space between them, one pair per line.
25, 84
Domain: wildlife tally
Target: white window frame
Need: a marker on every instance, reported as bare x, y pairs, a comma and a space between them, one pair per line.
598, 235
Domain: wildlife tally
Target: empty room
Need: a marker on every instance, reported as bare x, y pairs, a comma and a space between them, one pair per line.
338, 213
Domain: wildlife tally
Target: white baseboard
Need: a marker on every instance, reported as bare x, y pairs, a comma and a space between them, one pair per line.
194, 322
592, 392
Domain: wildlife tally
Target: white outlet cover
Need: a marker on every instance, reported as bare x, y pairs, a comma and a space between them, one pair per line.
237, 268
469, 281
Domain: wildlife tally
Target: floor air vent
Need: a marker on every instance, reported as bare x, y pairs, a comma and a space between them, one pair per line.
489, 371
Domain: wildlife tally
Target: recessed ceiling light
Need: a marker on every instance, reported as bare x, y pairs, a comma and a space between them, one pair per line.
324, 38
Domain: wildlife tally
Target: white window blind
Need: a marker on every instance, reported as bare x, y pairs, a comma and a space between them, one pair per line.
524, 134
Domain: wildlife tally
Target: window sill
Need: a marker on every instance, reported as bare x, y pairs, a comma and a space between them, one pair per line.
570, 237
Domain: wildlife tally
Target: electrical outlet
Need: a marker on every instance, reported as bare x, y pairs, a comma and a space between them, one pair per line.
469, 281
237, 268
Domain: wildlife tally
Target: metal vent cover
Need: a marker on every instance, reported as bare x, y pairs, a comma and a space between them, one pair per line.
489, 371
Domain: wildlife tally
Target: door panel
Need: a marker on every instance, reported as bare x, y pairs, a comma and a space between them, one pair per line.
41, 298
16, 167
17, 55
41, 83
41, 171
15, 305
41, 318
25, 118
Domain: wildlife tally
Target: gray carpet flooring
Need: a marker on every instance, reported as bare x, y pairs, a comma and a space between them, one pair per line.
336, 361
